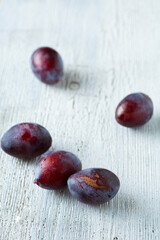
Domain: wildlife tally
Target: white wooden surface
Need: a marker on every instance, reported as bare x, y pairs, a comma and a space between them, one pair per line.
110, 49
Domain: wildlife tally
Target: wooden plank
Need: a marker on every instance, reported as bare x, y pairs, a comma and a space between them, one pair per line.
110, 49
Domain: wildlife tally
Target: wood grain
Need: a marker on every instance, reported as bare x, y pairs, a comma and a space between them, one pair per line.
110, 49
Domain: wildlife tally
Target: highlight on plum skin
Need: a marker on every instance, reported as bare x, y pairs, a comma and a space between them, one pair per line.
47, 65
93, 185
54, 168
26, 140
134, 110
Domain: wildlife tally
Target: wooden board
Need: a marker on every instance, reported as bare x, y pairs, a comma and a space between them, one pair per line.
110, 48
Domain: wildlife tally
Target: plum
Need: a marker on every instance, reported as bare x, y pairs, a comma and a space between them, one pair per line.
54, 168
134, 110
47, 65
26, 140
93, 185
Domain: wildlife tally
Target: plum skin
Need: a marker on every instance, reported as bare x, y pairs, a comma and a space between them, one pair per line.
93, 185
134, 110
54, 168
26, 140
47, 65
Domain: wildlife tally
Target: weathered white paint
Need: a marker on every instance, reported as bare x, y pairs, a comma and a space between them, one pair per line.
110, 49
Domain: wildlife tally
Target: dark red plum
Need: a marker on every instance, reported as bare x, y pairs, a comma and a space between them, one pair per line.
93, 185
134, 110
47, 65
26, 140
54, 168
